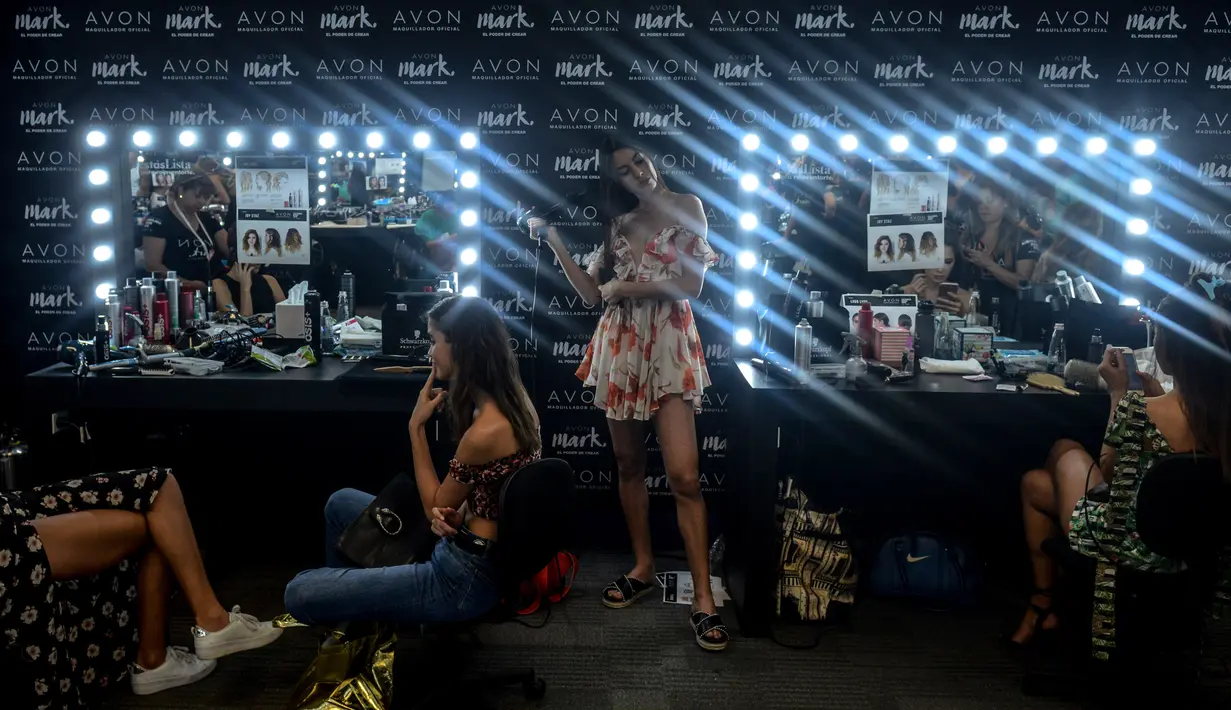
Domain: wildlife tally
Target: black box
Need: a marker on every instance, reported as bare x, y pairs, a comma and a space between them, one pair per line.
404, 324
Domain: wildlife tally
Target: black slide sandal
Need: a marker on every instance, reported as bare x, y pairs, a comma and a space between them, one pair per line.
629, 589
704, 624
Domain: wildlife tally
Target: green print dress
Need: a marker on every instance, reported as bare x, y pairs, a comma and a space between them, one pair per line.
1107, 531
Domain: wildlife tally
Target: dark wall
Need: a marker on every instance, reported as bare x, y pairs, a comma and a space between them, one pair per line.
545, 79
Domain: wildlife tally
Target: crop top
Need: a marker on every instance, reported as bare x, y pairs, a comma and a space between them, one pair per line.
488, 478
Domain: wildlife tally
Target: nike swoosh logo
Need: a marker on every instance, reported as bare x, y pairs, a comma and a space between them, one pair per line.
912, 558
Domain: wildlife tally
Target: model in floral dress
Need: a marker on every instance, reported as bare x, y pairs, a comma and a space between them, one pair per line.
645, 359
73, 581
646, 349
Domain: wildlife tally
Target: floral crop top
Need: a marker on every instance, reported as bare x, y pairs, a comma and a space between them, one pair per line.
487, 479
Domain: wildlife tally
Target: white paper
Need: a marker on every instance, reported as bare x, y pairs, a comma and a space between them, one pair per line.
906, 217
272, 198
678, 588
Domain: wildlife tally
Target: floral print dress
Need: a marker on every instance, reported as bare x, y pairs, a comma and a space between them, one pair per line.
645, 349
64, 642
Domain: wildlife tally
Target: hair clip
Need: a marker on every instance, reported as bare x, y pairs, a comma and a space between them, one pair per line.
1211, 287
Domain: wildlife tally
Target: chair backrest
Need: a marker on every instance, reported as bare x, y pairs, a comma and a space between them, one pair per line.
1183, 508
536, 520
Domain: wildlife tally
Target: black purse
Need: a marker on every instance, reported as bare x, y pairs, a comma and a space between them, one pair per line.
392, 531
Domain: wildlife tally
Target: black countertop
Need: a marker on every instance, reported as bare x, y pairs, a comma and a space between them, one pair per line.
330, 386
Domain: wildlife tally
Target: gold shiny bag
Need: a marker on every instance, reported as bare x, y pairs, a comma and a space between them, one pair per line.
353, 670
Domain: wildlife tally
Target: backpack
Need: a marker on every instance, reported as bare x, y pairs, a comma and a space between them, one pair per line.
552, 583
928, 568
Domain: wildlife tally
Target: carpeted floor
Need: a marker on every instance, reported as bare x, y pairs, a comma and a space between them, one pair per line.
890, 657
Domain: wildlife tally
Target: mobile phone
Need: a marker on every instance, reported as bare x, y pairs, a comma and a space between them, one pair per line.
948, 290
1130, 363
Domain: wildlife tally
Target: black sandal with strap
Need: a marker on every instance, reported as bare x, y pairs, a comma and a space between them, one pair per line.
629, 590
704, 624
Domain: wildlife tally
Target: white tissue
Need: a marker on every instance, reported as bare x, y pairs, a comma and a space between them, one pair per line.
950, 367
295, 296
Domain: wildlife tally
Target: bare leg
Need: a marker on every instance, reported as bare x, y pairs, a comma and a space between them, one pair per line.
1039, 517
90, 541
1048, 499
677, 434
171, 531
87, 542
628, 444
153, 590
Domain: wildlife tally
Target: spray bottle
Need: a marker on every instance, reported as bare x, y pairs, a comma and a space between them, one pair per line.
147, 305
173, 301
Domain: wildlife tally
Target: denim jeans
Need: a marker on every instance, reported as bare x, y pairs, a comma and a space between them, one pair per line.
454, 585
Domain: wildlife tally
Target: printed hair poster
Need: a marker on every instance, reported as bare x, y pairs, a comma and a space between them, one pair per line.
906, 217
272, 193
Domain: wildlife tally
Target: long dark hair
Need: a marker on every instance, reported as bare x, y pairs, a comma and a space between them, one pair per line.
483, 363
1194, 347
614, 199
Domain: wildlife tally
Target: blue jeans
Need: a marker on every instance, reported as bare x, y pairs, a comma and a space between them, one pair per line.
454, 586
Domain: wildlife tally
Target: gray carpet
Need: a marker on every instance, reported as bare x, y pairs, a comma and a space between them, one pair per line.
889, 658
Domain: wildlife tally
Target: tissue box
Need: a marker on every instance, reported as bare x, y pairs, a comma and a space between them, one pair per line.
975, 343
288, 320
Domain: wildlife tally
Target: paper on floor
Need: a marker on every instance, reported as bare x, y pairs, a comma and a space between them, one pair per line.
678, 588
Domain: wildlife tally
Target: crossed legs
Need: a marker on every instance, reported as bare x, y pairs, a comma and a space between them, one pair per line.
87, 542
1049, 496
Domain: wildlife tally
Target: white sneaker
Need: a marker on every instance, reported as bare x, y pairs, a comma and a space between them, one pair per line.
180, 668
244, 633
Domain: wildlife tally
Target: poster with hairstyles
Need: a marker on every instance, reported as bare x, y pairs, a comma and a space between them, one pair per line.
906, 216
272, 196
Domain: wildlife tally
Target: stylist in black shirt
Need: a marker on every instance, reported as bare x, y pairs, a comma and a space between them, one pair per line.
179, 237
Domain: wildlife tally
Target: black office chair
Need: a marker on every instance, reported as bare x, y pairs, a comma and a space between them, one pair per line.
1182, 509
536, 522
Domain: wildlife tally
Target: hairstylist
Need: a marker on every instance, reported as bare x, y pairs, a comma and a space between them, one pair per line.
645, 359
179, 237
498, 432
1002, 253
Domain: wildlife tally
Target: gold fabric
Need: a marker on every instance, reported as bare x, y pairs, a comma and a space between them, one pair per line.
816, 563
348, 673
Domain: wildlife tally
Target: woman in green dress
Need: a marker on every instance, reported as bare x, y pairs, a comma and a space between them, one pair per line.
1193, 345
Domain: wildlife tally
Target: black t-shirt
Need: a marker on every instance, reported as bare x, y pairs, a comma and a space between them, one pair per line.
989, 287
189, 255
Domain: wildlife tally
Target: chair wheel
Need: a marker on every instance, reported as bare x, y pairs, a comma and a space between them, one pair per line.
534, 689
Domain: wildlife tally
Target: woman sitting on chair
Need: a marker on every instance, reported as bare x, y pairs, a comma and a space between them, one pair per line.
498, 433
1094, 501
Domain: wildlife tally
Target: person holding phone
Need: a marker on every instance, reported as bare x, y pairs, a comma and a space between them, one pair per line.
1093, 501
934, 285
250, 291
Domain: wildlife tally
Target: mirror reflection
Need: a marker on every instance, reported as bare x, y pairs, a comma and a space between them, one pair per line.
409, 198
184, 215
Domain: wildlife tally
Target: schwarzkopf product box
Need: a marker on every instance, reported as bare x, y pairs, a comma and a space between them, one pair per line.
403, 325
898, 310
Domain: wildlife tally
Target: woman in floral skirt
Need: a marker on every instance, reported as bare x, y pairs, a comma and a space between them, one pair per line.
645, 359
86, 568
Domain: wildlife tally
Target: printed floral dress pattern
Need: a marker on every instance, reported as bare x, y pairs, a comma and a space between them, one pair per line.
645, 349
66, 641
